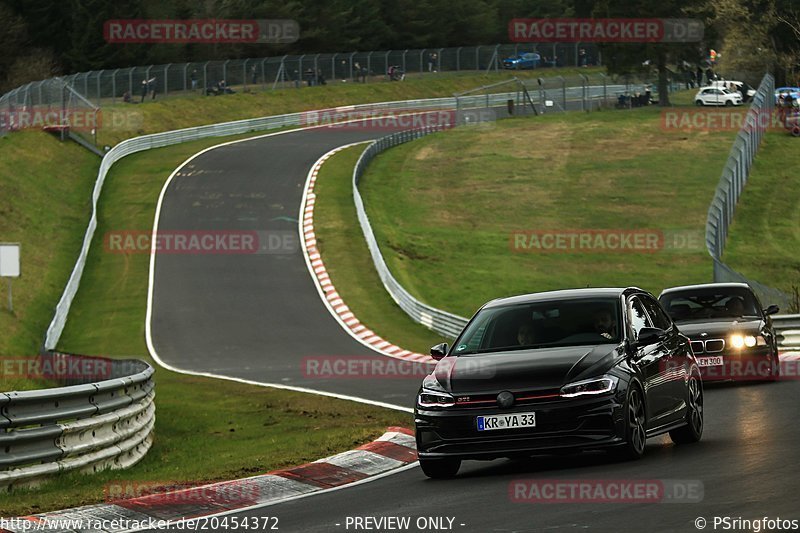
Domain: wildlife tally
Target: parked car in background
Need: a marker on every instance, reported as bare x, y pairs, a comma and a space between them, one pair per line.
731, 334
525, 60
733, 86
717, 96
794, 92
560, 371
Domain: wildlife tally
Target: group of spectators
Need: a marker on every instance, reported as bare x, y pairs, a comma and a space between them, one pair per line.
638, 99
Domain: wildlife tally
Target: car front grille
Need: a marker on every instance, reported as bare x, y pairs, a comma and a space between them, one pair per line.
708, 346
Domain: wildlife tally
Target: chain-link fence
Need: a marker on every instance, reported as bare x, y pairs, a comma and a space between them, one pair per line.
137, 83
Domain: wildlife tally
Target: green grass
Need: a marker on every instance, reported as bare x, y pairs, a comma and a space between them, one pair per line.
209, 430
347, 260
443, 207
121, 121
45, 207
765, 234
250, 430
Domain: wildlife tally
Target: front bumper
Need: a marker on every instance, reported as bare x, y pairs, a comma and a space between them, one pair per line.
748, 364
564, 424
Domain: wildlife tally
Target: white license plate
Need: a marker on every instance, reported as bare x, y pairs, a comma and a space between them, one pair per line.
509, 421
709, 361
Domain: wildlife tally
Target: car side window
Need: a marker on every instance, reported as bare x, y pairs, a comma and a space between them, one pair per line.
657, 315
638, 316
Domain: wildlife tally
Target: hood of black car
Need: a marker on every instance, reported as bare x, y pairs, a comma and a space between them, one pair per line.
524, 370
719, 327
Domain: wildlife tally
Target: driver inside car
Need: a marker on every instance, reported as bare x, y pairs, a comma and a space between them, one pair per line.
525, 335
604, 324
735, 306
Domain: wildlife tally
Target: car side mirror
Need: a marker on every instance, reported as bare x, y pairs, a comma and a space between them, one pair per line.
439, 351
771, 310
648, 336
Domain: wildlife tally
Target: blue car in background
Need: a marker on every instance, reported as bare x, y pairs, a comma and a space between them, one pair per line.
525, 60
793, 91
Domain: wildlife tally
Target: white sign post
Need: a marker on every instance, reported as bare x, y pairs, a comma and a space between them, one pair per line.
9, 266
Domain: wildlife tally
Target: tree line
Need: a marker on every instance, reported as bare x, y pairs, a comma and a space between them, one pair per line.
43, 38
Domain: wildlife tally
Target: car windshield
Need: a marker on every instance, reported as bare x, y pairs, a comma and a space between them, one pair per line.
569, 322
700, 304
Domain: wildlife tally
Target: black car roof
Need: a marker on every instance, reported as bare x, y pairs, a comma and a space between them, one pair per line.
703, 286
565, 294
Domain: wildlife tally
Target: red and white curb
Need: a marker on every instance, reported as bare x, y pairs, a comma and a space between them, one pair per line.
327, 291
394, 449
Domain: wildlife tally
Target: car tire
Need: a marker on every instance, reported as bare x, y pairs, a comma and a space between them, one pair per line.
775, 371
796, 131
698, 103
440, 468
693, 430
635, 427
728, 103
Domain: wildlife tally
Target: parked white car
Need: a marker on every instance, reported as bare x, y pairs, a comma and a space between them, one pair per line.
717, 96
726, 84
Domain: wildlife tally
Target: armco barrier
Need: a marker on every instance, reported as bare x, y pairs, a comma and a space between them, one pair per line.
731, 184
787, 328
86, 426
442, 322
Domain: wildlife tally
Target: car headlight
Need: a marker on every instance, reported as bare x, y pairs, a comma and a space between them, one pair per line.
740, 341
600, 385
434, 395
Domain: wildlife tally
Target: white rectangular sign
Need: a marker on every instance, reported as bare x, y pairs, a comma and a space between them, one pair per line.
9, 260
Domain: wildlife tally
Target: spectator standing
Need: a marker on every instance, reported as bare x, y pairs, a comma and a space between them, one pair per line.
432, 57
254, 75
193, 78
144, 90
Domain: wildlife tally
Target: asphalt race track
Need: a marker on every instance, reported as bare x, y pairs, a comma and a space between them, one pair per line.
256, 316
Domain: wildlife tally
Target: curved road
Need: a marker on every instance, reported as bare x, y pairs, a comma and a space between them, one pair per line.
256, 317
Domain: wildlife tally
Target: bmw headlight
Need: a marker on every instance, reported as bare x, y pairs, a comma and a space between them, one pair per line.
740, 341
592, 386
434, 395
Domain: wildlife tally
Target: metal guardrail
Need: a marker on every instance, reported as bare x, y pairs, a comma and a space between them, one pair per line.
86, 426
787, 328
731, 184
442, 322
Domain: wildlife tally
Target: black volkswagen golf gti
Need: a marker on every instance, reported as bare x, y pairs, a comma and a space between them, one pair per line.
559, 371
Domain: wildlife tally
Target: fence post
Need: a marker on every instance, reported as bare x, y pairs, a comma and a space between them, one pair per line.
166, 78
225, 71
458, 59
369, 64
99, 77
